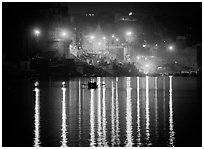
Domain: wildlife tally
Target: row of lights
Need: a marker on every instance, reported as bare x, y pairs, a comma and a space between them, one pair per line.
64, 34
37, 33
113, 36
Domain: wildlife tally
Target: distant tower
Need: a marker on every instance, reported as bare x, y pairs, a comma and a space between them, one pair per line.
99, 42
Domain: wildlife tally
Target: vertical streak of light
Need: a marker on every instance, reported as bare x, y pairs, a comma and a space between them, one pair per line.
80, 112
164, 106
138, 113
104, 116
147, 112
37, 141
129, 139
156, 108
64, 118
171, 125
92, 121
99, 114
117, 115
112, 115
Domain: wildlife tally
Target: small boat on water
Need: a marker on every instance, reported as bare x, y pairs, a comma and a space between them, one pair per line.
92, 85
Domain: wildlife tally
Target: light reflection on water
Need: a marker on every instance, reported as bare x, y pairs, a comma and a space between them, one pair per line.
104, 107
64, 117
129, 135
171, 123
92, 120
37, 141
104, 121
147, 137
99, 131
138, 113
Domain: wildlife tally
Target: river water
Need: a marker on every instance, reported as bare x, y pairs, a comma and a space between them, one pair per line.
122, 111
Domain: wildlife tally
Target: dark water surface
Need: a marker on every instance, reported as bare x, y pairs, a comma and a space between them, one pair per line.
123, 111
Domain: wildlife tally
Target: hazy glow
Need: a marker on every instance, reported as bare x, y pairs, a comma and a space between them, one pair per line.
104, 38
156, 45
171, 47
37, 32
64, 117
129, 33
147, 113
64, 34
138, 57
171, 123
37, 117
117, 39
129, 139
92, 120
99, 43
92, 37
138, 113
147, 65
113, 36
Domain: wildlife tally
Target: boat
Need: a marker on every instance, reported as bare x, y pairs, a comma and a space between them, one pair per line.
92, 85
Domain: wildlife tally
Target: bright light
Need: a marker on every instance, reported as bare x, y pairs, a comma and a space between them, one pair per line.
129, 33
164, 41
171, 47
146, 58
36, 83
156, 45
113, 36
92, 37
147, 65
144, 45
130, 14
104, 38
64, 34
117, 39
138, 57
37, 32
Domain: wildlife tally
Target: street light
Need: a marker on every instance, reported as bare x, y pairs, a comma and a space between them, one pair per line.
171, 48
92, 37
129, 33
37, 32
64, 34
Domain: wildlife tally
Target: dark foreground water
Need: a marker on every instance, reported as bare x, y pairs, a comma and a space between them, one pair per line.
123, 111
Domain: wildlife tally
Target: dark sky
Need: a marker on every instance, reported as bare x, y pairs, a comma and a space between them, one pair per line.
148, 8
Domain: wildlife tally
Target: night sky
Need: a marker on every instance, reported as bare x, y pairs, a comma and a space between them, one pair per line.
18, 18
